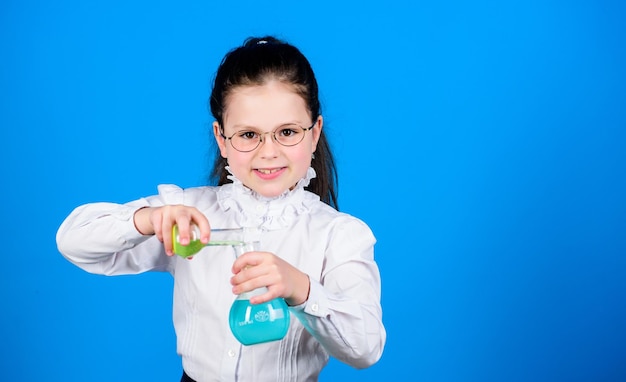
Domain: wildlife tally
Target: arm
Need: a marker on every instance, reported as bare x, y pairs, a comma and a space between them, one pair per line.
343, 311
102, 238
109, 238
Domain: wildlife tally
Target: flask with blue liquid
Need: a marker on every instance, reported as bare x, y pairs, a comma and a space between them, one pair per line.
250, 323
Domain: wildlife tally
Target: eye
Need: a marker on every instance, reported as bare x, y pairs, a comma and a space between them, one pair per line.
247, 135
288, 132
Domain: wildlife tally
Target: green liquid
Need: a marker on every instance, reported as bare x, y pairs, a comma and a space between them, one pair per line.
195, 246
254, 324
229, 237
191, 249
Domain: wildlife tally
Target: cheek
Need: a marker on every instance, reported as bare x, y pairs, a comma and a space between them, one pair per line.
234, 157
302, 157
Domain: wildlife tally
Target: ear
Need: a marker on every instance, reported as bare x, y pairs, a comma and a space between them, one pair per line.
316, 132
221, 142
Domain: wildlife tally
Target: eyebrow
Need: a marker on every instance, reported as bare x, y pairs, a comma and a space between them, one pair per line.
240, 127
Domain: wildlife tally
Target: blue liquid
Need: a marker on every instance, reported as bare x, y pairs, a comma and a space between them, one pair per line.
254, 324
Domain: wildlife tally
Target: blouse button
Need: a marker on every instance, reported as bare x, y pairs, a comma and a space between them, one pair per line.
314, 307
231, 353
260, 208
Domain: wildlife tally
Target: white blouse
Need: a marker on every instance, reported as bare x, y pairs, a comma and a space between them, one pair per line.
342, 317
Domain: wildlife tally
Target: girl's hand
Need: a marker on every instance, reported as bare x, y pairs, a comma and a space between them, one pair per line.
160, 220
264, 269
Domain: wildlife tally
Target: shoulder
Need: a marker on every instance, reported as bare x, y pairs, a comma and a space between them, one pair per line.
338, 222
173, 194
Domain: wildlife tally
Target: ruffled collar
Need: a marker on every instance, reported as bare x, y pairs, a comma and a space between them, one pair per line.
254, 210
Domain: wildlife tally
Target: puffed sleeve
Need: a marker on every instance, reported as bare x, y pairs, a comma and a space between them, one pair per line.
102, 238
343, 311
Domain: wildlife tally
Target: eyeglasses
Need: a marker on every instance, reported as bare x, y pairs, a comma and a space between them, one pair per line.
248, 140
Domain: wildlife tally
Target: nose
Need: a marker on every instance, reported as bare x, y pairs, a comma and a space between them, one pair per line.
262, 136
268, 147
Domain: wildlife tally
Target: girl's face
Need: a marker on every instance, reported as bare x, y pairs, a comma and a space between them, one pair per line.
271, 168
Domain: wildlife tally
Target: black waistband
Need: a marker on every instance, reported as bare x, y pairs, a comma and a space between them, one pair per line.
186, 378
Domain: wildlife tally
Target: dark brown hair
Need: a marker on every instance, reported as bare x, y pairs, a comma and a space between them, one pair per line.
257, 61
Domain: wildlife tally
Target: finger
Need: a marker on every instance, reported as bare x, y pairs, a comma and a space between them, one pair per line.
244, 276
203, 224
257, 277
248, 284
167, 236
271, 294
184, 229
156, 219
248, 259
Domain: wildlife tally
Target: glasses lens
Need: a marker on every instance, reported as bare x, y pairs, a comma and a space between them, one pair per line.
245, 140
289, 135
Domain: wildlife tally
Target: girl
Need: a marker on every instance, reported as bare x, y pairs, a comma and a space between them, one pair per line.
274, 171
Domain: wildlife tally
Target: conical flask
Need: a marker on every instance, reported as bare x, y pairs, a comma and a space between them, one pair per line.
257, 323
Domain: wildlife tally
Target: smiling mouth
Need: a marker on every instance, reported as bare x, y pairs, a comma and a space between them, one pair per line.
268, 171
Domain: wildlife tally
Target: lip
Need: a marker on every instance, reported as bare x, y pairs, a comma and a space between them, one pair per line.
269, 173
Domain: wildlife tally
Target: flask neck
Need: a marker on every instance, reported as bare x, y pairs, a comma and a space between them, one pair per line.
241, 239
255, 292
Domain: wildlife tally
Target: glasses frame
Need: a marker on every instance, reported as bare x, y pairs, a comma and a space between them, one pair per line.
261, 139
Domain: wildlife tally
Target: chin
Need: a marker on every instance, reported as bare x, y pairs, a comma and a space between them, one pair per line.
271, 192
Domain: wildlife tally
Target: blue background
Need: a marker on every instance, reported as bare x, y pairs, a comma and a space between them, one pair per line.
483, 142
